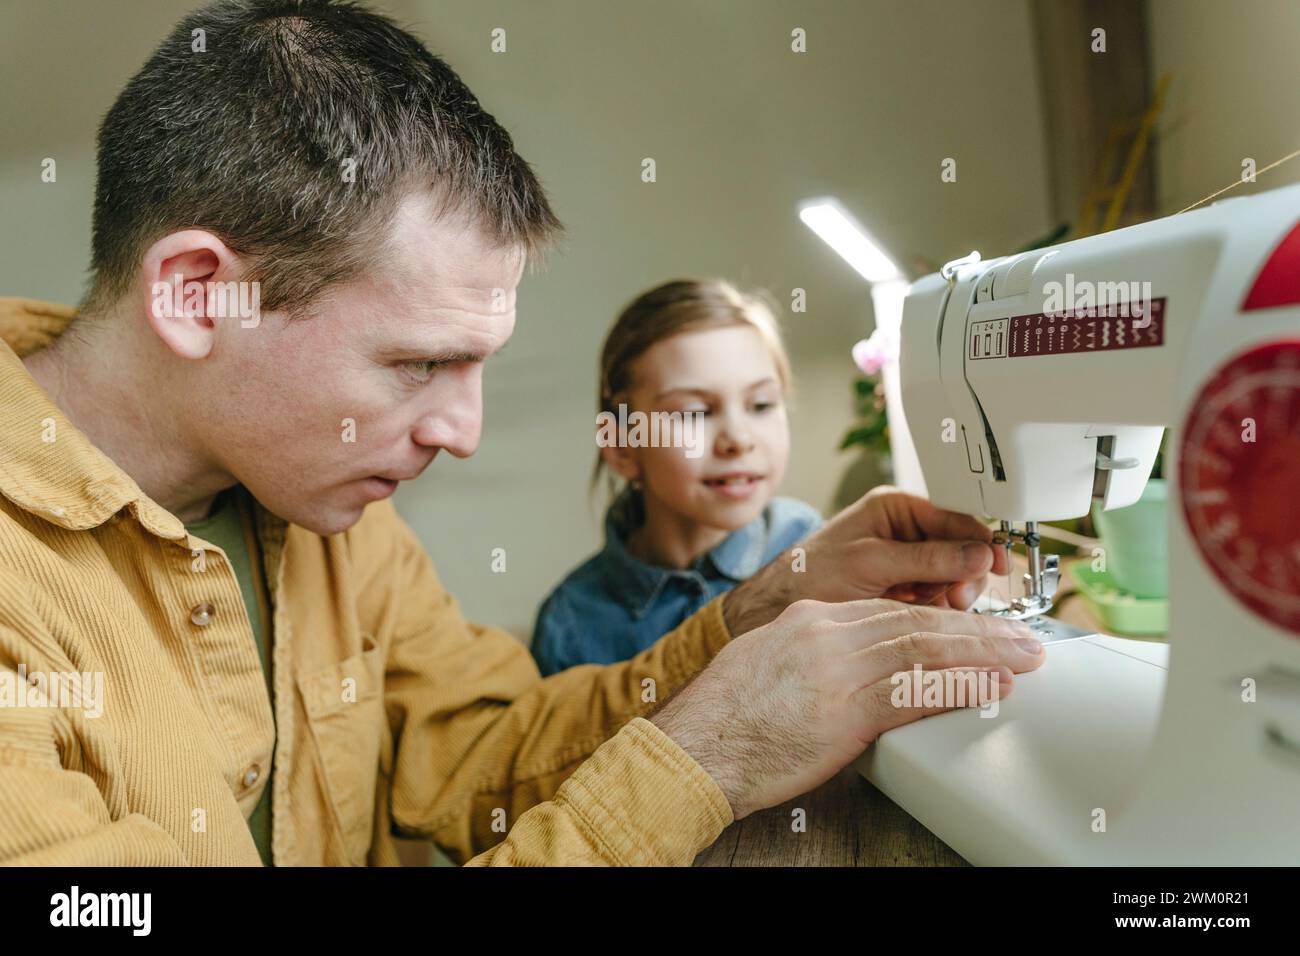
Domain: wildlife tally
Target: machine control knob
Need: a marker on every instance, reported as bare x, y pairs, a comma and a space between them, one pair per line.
1239, 475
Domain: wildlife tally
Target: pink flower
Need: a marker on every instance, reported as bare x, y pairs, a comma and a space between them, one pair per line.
871, 354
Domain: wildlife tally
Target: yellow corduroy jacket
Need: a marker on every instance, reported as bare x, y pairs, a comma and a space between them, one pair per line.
392, 713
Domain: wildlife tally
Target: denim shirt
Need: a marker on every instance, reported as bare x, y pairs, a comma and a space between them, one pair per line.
615, 605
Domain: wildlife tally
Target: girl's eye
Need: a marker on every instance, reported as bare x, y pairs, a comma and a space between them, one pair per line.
761, 407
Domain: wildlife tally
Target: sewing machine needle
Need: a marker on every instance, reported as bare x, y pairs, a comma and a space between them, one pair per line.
1008, 592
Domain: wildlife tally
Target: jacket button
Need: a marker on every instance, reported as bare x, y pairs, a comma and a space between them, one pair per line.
202, 614
251, 776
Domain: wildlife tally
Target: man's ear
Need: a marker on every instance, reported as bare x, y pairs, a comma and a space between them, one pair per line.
178, 302
621, 461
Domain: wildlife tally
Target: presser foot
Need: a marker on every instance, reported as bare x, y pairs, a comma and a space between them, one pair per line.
1020, 609
1044, 627
1040, 582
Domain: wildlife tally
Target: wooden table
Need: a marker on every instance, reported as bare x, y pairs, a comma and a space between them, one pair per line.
848, 822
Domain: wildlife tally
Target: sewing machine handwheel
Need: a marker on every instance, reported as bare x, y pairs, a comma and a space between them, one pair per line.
1240, 479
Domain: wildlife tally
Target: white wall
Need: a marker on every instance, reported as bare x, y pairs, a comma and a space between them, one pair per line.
1235, 94
741, 129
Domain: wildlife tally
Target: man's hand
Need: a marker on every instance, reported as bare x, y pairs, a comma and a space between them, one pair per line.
782, 709
887, 544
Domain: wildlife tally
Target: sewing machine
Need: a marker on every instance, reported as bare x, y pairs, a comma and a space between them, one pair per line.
1025, 405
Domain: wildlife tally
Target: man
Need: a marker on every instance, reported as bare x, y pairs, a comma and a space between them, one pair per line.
193, 511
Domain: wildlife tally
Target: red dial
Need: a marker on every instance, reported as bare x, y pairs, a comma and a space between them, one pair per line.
1240, 478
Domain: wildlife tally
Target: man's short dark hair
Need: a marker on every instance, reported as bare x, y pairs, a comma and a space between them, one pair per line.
252, 138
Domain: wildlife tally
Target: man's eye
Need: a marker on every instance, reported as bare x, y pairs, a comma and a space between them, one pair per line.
428, 366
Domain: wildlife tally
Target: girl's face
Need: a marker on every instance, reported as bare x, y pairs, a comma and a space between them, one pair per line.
729, 375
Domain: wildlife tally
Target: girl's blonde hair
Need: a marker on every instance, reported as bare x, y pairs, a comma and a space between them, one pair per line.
683, 305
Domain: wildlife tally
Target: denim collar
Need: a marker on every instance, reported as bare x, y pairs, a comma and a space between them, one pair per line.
637, 584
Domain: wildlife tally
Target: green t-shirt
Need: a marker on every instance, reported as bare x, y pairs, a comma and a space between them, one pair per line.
225, 527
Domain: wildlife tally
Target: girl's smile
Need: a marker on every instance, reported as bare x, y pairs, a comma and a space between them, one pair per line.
736, 484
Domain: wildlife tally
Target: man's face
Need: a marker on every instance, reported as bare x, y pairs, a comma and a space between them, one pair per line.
384, 375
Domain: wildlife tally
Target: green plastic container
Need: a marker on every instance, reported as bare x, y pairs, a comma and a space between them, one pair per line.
1118, 611
1137, 543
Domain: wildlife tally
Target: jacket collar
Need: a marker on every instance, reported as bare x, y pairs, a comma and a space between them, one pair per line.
50, 468
637, 584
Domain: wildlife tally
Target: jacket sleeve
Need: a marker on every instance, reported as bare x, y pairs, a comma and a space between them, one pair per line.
480, 738
639, 800
52, 815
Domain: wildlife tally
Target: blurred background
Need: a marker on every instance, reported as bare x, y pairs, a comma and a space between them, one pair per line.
742, 129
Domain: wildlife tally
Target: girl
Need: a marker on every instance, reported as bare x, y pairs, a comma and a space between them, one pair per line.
689, 522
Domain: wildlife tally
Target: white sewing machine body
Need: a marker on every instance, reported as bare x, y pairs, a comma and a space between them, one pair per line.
1023, 414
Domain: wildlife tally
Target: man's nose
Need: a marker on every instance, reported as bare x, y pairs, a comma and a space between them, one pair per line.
454, 420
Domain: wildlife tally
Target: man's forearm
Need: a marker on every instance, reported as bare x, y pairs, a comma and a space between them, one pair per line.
758, 600
687, 719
